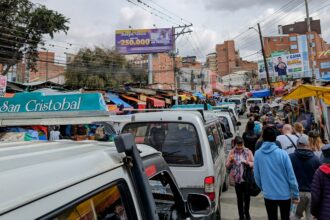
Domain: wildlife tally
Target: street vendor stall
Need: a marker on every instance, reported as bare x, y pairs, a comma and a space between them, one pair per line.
322, 93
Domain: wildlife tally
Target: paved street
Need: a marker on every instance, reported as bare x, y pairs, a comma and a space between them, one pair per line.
228, 202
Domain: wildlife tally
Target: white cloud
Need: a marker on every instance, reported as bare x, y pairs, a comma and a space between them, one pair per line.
95, 22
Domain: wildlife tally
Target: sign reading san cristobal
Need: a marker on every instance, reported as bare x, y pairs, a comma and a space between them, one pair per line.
38, 102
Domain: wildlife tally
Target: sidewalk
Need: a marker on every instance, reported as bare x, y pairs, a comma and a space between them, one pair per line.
229, 206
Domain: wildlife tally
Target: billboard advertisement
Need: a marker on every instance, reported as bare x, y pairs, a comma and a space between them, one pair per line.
262, 70
140, 41
289, 65
303, 49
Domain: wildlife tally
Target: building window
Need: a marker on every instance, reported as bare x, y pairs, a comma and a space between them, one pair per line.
311, 36
313, 44
325, 65
291, 29
281, 39
274, 39
293, 39
293, 47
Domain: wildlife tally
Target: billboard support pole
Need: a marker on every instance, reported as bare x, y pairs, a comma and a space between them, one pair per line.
174, 53
150, 78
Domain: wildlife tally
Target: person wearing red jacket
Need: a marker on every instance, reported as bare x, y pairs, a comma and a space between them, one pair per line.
320, 207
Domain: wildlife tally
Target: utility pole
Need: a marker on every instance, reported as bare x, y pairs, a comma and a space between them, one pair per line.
150, 80
310, 46
265, 60
173, 53
47, 65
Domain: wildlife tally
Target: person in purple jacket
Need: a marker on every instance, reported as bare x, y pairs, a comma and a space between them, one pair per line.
320, 207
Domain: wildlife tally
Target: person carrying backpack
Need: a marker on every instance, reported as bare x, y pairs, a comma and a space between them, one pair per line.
287, 139
250, 137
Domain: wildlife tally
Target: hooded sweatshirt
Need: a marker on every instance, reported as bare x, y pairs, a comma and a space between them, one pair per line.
304, 163
274, 174
320, 206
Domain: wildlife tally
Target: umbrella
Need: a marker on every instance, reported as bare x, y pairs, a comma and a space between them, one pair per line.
304, 91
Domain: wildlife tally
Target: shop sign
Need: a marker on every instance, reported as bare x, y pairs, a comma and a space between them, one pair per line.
38, 102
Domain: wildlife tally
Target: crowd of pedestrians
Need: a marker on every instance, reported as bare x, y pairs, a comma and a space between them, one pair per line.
291, 166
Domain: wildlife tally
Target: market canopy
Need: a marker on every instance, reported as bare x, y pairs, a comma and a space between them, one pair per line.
118, 101
305, 91
156, 102
199, 95
260, 93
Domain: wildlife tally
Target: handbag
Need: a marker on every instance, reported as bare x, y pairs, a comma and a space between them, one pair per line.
252, 186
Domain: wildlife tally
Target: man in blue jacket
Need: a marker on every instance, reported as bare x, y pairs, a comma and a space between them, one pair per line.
305, 163
274, 175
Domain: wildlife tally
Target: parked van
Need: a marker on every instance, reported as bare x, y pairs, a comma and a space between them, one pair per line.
191, 144
239, 104
91, 180
229, 129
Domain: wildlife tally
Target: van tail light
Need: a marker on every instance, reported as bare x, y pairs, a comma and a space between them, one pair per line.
209, 183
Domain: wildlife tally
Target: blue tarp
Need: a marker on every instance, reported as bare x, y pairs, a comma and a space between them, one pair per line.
115, 99
260, 93
325, 78
199, 95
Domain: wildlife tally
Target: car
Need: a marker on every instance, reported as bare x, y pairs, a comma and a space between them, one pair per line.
239, 103
193, 145
91, 180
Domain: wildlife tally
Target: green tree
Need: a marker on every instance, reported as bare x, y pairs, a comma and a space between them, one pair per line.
100, 68
23, 25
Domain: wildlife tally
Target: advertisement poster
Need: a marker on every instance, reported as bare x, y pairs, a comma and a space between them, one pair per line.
142, 41
262, 70
303, 49
3, 85
295, 65
289, 65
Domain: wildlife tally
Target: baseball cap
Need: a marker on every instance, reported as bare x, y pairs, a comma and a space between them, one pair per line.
302, 140
325, 157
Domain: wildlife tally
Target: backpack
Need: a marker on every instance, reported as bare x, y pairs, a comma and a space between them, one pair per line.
250, 140
257, 128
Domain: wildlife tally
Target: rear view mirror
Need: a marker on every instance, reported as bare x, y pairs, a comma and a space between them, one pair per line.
199, 205
238, 123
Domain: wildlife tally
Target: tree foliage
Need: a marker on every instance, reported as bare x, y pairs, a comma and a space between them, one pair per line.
101, 68
23, 25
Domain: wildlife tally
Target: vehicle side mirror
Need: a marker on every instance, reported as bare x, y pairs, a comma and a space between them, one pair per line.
238, 123
199, 205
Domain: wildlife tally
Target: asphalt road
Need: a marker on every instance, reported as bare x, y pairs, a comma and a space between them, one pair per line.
228, 200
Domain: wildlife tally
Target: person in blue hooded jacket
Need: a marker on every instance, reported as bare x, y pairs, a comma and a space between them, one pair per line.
274, 175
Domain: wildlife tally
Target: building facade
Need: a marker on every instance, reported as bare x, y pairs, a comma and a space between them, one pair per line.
211, 62
229, 61
300, 27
